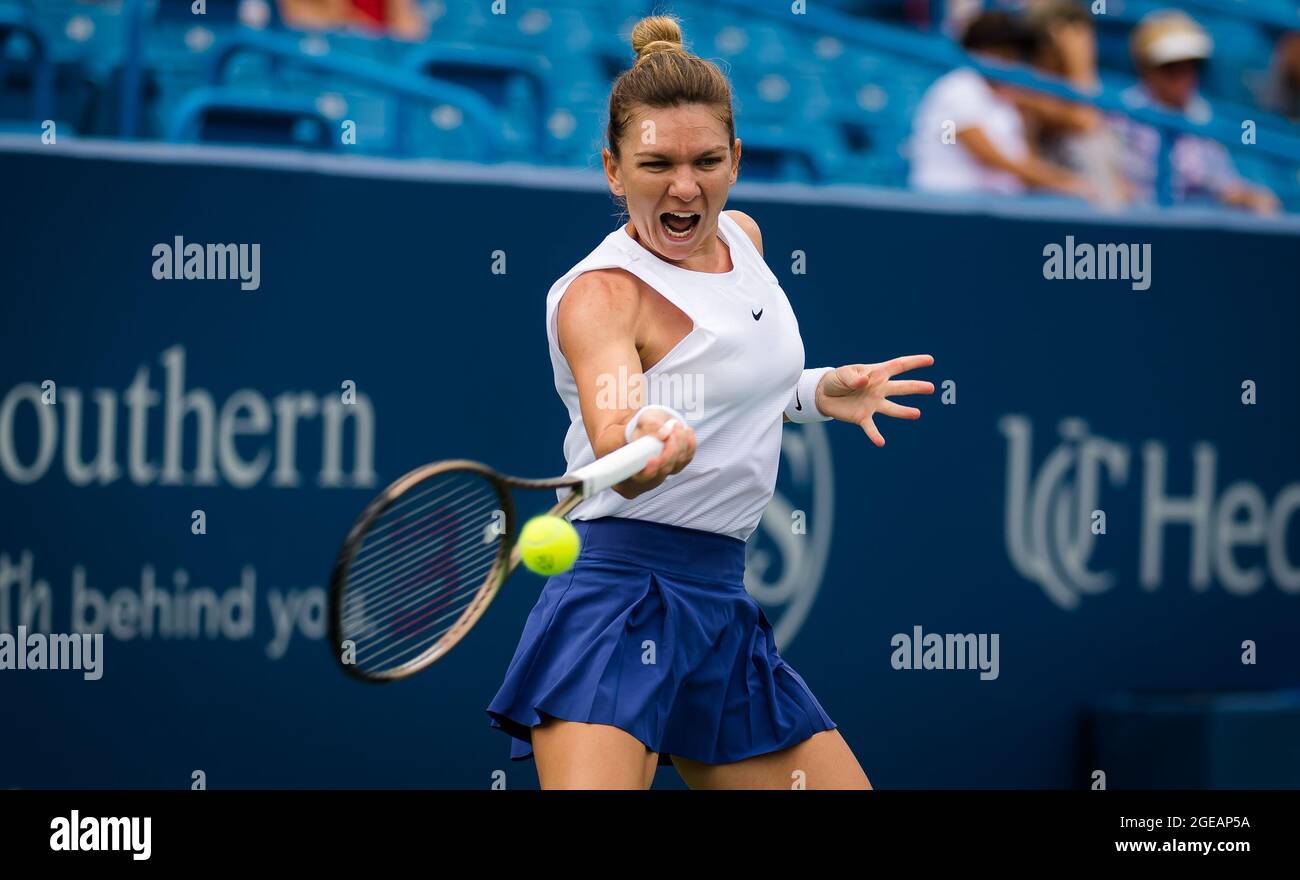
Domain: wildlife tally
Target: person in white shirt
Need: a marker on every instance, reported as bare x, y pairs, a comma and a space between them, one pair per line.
681, 291
969, 133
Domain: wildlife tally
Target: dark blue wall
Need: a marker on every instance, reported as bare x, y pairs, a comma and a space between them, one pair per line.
388, 283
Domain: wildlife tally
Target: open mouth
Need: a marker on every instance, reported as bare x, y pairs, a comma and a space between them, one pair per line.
679, 225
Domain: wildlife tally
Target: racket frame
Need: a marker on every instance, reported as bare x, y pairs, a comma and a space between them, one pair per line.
584, 482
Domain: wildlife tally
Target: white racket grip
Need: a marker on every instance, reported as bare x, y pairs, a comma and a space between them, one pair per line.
609, 470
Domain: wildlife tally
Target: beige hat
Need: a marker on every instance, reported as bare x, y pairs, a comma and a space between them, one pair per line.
1167, 36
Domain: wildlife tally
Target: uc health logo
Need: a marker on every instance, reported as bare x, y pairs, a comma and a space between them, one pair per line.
1239, 536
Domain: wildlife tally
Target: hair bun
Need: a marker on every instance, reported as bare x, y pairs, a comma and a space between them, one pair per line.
656, 33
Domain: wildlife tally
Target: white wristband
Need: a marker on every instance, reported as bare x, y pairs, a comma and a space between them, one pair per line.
803, 403
631, 426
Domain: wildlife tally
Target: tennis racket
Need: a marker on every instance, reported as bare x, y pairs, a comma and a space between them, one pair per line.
428, 554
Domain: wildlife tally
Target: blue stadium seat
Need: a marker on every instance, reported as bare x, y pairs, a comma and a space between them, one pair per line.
85, 33
164, 54
234, 116
26, 69
440, 132
385, 102
755, 43
516, 83
86, 41
450, 21
777, 96
616, 17
372, 109
804, 153
1242, 54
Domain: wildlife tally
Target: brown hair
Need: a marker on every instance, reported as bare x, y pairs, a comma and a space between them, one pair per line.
1050, 13
666, 75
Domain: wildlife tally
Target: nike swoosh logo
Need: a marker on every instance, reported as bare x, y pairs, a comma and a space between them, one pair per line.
797, 405
757, 314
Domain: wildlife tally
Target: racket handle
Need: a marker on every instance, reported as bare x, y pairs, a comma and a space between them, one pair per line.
616, 467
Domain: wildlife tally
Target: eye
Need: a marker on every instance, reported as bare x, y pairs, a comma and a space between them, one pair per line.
711, 161
654, 164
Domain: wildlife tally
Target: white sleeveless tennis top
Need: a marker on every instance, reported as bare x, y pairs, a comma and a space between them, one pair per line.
731, 377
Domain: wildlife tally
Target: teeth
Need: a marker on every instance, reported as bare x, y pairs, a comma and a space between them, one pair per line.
683, 215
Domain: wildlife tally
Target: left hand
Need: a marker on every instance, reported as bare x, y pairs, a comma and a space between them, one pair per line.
856, 392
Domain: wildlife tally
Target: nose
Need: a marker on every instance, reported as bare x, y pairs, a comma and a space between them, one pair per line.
684, 186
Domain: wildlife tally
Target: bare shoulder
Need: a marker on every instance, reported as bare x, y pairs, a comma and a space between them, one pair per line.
601, 289
601, 299
746, 222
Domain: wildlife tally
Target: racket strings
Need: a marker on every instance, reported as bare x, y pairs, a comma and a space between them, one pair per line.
399, 602
386, 656
419, 567
399, 520
409, 545
400, 548
399, 627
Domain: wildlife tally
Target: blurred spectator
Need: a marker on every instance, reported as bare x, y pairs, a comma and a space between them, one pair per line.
1168, 49
396, 18
1074, 135
1282, 94
968, 134
1067, 42
958, 16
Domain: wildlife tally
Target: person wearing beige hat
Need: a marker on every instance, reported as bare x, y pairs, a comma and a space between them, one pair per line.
1169, 49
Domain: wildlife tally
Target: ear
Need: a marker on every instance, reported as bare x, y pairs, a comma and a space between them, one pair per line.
735, 162
612, 175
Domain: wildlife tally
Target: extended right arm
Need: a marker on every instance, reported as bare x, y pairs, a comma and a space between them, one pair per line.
597, 323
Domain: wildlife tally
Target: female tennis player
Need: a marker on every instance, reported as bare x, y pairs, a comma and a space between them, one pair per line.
649, 649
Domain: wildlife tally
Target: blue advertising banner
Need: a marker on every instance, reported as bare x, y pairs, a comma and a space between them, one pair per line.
1101, 496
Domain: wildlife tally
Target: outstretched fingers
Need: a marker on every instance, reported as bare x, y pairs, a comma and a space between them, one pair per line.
869, 426
908, 362
908, 386
898, 411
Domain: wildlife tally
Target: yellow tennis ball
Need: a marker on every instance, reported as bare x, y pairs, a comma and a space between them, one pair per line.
548, 545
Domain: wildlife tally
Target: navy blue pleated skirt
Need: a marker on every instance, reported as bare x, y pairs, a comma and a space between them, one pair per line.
652, 632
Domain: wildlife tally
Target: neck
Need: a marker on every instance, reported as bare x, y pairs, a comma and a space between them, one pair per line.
712, 256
